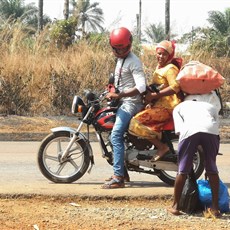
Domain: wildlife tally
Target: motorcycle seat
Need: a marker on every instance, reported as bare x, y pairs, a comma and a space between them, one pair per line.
169, 125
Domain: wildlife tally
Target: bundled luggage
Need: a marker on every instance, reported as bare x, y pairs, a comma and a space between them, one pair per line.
198, 78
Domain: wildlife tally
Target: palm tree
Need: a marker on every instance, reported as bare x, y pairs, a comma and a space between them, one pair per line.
90, 16
155, 33
221, 25
12, 10
15, 9
40, 15
66, 9
220, 21
167, 19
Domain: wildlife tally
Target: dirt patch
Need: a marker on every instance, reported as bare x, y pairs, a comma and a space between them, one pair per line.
22, 124
21, 128
72, 213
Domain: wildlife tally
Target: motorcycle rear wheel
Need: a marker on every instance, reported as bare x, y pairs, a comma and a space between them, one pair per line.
169, 177
48, 158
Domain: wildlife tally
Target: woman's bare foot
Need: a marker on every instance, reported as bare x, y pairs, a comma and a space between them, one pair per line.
160, 152
174, 211
213, 213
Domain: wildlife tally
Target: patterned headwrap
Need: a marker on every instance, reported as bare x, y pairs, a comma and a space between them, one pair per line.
169, 46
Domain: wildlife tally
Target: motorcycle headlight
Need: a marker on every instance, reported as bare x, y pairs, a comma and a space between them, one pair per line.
78, 106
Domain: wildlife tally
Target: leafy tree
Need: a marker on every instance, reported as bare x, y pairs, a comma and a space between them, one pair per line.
85, 17
211, 39
193, 35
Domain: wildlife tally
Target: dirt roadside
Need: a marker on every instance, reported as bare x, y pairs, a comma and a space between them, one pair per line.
21, 128
45, 213
59, 212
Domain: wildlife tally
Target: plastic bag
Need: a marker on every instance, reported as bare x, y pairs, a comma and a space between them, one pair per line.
205, 195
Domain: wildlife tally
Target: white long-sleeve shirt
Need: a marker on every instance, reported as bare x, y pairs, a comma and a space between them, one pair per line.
197, 114
132, 75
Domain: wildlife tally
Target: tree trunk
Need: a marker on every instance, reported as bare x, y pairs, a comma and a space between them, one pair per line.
167, 19
40, 15
139, 28
66, 9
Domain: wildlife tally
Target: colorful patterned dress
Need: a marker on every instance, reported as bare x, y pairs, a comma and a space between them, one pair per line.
149, 122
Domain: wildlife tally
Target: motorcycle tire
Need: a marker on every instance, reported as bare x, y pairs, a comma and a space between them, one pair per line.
49, 153
198, 166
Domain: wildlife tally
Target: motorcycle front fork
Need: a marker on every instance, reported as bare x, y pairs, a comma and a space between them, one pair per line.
66, 151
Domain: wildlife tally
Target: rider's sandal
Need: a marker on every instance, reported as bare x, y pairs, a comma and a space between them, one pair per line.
126, 178
156, 158
114, 183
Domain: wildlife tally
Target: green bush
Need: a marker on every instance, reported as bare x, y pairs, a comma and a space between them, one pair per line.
63, 32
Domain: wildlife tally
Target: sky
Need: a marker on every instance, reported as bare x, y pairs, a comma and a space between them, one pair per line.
185, 14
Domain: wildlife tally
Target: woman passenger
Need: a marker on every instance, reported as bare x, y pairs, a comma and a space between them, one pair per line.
149, 123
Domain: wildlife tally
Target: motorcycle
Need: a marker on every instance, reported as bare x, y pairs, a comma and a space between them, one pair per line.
66, 154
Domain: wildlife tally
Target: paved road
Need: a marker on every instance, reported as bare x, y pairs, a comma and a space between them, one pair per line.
21, 176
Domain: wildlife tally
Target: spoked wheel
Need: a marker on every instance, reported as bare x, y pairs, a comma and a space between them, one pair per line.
49, 158
169, 176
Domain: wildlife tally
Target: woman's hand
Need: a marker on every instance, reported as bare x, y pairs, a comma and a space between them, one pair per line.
149, 97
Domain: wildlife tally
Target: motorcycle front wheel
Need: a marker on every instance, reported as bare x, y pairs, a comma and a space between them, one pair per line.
72, 168
169, 177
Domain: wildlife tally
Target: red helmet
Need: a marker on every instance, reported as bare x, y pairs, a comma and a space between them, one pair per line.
121, 42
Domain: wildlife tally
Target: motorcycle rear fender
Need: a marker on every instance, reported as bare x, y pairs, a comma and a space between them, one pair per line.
73, 131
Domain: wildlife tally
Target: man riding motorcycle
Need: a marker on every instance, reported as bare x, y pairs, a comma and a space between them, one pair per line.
130, 82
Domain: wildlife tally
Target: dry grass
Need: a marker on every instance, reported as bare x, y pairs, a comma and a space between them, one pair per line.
50, 76
75, 69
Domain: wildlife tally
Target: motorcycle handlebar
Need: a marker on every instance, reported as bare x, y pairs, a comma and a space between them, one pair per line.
102, 96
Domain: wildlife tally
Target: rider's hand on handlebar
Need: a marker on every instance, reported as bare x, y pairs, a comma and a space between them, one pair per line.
112, 95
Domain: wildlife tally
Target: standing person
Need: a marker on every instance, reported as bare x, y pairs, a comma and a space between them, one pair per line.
196, 121
130, 81
148, 123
